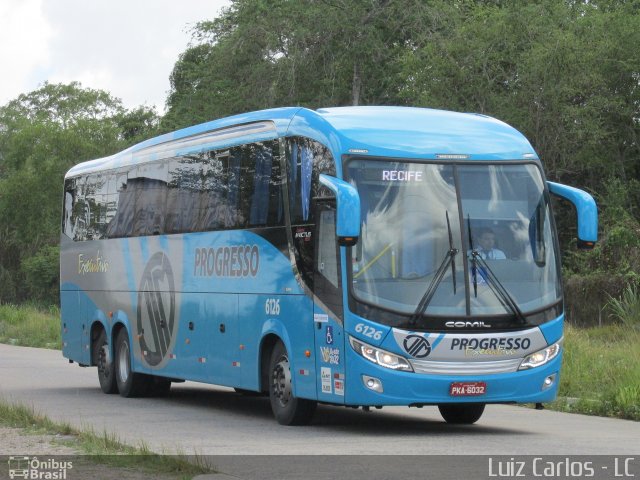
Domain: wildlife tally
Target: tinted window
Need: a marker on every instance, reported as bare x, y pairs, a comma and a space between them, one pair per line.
149, 184
260, 190
183, 195
239, 187
70, 199
236, 188
121, 224
306, 160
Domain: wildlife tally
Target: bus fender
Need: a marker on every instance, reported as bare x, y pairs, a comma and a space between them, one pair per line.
301, 359
272, 327
119, 320
98, 320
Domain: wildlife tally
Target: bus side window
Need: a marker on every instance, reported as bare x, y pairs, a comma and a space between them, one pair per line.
150, 196
126, 205
306, 160
92, 207
183, 199
213, 215
70, 198
327, 263
120, 223
79, 211
111, 202
261, 198
326, 281
99, 214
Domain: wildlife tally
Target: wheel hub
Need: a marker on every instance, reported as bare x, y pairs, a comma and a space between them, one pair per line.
123, 362
282, 381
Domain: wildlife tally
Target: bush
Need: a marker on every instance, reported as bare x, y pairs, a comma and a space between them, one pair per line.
587, 297
601, 285
626, 309
7, 286
42, 272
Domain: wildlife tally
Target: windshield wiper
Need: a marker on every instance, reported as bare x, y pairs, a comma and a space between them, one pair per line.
506, 300
453, 256
449, 258
474, 264
498, 289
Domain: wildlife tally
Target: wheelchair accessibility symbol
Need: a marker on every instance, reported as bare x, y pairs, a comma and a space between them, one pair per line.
329, 337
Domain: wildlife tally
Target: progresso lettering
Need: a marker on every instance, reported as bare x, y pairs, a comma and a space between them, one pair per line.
234, 261
500, 344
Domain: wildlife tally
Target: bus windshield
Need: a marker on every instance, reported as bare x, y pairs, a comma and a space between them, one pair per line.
453, 240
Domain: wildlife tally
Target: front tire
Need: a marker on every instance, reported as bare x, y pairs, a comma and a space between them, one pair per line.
288, 409
101, 353
130, 384
461, 414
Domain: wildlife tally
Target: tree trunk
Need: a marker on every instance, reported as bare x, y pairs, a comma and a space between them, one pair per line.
356, 85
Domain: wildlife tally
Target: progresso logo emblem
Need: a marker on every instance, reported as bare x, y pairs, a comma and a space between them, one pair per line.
156, 309
417, 346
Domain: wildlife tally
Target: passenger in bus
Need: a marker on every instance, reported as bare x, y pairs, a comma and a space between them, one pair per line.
485, 245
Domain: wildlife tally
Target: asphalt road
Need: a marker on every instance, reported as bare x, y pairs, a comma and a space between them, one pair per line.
205, 420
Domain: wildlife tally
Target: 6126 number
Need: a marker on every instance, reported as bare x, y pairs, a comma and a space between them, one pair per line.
368, 331
272, 306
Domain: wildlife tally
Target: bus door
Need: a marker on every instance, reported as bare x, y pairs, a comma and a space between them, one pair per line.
328, 308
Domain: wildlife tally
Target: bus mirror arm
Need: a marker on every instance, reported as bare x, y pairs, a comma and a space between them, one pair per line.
586, 210
348, 209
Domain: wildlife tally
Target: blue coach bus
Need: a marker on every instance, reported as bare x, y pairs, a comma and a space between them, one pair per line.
362, 256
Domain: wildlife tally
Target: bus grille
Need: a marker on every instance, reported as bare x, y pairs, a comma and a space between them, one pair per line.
465, 368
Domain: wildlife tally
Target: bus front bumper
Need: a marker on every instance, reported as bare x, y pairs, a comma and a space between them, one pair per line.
391, 387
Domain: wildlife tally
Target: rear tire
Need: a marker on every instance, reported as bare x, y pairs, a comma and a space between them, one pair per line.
461, 414
102, 358
130, 384
288, 409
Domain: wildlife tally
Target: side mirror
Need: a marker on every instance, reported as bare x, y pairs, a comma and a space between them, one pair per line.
348, 209
585, 208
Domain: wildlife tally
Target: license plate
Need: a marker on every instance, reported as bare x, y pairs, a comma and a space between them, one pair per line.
467, 389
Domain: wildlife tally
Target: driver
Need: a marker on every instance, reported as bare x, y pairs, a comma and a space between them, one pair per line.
486, 241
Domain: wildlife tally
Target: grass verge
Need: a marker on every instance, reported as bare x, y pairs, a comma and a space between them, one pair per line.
29, 326
102, 448
601, 372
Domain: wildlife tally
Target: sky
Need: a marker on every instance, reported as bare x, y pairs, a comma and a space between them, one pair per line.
125, 47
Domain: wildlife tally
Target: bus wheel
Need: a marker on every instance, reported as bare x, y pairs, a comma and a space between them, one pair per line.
130, 384
102, 358
288, 409
463, 414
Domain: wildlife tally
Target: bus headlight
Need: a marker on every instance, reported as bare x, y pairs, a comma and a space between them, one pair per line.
380, 357
541, 356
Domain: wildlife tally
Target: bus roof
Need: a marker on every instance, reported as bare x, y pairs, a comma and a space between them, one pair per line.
399, 132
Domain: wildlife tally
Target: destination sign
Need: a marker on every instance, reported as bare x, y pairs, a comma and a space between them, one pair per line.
401, 176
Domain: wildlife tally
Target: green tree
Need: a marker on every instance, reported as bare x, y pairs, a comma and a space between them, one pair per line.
564, 73
262, 54
42, 134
